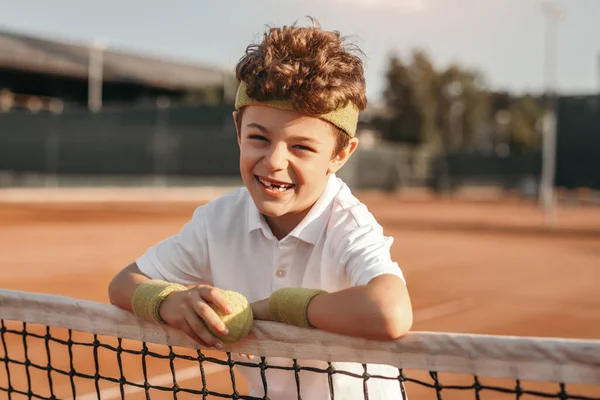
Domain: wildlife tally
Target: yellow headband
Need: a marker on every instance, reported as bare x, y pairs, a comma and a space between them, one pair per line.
345, 118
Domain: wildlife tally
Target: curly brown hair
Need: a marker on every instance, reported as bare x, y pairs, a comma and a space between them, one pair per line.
314, 69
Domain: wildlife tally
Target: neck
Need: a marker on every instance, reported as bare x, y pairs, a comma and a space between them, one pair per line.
282, 226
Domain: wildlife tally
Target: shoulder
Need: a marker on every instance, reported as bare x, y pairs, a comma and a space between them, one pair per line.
356, 242
349, 213
352, 229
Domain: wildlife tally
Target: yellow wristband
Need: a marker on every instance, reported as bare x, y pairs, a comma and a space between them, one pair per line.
148, 297
289, 305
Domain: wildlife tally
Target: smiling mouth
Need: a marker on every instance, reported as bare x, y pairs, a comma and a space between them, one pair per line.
274, 185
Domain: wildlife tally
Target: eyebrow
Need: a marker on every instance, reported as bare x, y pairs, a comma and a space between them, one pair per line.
300, 138
257, 126
306, 139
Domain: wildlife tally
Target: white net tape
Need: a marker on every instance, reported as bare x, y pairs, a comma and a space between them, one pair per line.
535, 359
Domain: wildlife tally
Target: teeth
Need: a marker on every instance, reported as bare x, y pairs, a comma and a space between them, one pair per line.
267, 184
281, 188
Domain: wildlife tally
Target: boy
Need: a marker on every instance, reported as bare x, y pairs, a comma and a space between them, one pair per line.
293, 225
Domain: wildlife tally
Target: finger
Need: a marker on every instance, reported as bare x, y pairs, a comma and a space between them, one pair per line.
190, 332
206, 313
215, 296
210, 317
200, 330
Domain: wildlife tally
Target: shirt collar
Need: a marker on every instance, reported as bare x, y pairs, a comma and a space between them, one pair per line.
309, 229
256, 220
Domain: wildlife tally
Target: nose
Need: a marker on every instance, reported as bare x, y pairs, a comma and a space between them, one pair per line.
276, 159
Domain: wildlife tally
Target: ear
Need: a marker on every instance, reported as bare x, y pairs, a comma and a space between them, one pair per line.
236, 122
343, 156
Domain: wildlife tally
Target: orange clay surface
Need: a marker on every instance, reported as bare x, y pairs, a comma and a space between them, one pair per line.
488, 267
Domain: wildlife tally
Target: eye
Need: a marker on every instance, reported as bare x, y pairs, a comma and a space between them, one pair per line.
304, 148
258, 137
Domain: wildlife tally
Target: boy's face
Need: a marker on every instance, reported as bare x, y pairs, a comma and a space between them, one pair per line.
285, 161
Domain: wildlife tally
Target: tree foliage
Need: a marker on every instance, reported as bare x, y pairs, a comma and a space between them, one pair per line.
451, 109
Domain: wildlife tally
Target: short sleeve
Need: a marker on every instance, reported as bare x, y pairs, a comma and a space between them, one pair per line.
182, 258
360, 247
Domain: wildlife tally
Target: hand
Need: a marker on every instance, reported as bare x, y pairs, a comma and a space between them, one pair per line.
260, 309
190, 312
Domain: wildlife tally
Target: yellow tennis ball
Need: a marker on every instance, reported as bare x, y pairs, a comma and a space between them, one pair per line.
239, 322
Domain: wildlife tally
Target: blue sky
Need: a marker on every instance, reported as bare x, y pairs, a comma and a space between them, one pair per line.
504, 39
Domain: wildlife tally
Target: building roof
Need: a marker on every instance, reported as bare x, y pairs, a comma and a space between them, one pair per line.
29, 53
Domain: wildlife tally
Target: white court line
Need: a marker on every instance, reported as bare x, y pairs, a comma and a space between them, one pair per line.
160, 380
441, 310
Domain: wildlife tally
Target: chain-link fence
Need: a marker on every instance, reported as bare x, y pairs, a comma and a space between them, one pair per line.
160, 142
175, 144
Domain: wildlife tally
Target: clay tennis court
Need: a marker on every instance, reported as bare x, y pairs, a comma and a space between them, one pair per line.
489, 267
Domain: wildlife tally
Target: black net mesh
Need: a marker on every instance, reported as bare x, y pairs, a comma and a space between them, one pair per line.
55, 363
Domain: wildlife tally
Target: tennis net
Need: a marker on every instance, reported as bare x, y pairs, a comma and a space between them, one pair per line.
56, 347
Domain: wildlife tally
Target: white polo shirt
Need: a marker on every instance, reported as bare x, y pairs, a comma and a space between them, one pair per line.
228, 243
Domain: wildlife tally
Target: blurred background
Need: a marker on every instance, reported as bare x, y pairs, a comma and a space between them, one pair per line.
461, 94
480, 148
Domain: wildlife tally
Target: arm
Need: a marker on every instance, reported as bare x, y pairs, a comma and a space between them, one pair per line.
380, 310
186, 310
378, 305
123, 285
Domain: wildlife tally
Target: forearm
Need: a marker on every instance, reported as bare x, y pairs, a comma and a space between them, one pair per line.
123, 286
378, 311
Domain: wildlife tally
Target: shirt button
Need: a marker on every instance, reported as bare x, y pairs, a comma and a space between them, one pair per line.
280, 273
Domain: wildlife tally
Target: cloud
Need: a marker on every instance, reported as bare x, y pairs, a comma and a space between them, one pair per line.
406, 5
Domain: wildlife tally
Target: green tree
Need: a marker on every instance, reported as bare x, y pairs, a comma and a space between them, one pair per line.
452, 110
426, 80
461, 107
516, 120
525, 114
404, 119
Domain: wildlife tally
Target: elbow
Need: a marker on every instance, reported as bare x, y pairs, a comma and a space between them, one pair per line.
396, 322
393, 308
400, 323
112, 291
117, 289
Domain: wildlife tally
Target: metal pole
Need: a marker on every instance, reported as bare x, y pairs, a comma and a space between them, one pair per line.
598, 73
547, 194
95, 74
